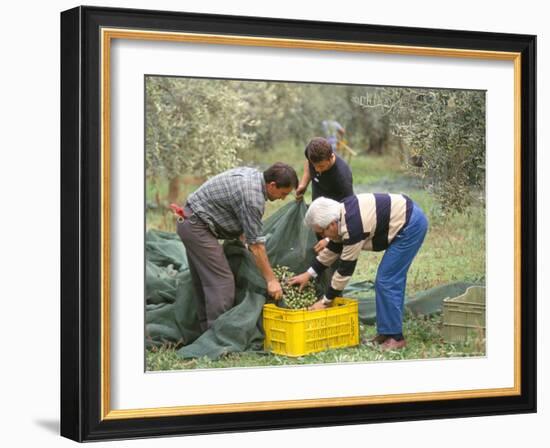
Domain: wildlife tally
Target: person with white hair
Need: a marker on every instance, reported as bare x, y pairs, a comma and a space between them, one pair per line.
372, 221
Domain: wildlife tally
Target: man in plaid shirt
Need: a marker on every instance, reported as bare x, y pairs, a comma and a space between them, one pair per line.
229, 206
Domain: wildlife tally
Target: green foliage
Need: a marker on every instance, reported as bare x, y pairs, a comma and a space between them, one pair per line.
276, 109
204, 126
445, 131
368, 126
193, 126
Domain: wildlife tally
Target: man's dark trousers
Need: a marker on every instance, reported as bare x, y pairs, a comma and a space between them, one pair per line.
210, 272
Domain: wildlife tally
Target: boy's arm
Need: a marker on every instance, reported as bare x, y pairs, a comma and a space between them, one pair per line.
304, 182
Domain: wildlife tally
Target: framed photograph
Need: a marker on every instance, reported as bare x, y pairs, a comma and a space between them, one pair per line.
180, 128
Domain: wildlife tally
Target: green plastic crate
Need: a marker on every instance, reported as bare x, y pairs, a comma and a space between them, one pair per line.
464, 316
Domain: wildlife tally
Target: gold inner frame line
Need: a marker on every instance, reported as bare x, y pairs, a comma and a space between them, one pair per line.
107, 35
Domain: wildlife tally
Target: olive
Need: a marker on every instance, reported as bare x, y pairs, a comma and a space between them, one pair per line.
293, 297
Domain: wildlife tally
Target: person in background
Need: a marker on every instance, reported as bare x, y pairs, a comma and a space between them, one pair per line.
334, 132
372, 221
330, 175
229, 206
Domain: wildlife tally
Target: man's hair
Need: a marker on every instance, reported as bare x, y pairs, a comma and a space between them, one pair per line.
318, 150
321, 212
282, 174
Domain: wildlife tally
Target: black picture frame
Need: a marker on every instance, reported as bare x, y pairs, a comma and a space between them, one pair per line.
82, 406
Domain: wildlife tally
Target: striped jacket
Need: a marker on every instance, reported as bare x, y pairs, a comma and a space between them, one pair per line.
368, 221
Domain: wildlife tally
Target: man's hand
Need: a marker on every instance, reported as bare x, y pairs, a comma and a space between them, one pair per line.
300, 280
300, 191
319, 305
242, 239
260, 256
274, 289
320, 245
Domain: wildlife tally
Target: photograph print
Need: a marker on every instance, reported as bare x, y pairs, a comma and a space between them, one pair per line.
311, 223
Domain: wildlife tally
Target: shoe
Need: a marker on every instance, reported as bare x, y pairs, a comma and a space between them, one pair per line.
392, 344
377, 340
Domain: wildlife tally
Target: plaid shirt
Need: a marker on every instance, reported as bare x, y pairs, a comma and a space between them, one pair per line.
232, 203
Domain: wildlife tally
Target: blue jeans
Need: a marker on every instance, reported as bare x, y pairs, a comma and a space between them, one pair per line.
391, 278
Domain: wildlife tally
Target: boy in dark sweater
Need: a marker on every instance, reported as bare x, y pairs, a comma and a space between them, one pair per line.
330, 175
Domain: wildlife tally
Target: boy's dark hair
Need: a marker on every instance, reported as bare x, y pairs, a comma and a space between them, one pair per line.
282, 174
318, 150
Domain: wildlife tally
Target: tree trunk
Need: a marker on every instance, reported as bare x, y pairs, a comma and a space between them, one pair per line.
174, 189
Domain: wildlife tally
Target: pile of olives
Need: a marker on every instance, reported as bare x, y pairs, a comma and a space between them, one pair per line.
292, 296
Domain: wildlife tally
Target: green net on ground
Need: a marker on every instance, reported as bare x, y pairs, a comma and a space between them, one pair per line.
170, 315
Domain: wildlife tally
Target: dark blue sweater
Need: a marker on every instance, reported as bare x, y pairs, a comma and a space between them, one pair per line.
335, 183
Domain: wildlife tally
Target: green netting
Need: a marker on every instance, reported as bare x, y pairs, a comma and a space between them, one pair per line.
170, 306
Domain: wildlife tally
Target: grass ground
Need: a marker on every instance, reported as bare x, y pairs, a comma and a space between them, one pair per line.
454, 250
423, 342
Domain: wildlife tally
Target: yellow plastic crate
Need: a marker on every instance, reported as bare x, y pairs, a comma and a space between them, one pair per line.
301, 332
464, 315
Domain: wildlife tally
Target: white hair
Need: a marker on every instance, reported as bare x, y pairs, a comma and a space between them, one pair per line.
322, 212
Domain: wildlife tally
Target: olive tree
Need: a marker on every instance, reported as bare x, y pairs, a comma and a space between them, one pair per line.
444, 131
193, 126
277, 109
